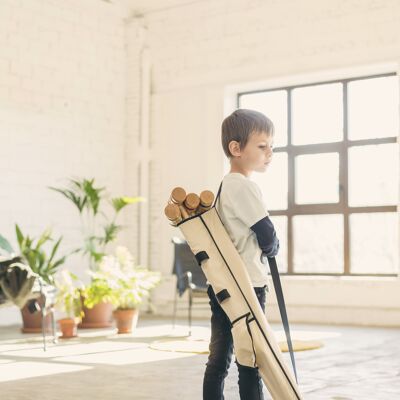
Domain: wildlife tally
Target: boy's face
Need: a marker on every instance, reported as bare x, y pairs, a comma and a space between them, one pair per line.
257, 154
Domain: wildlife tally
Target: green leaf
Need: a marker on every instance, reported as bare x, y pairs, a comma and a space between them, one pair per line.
120, 202
40, 261
77, 250
20, 236
5, 245
58, 263
92, 193
110, 232
54, 250
77, 200
73, 276
46, 236
76, 183
97, 256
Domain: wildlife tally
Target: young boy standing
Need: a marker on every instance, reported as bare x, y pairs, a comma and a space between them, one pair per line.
247, 138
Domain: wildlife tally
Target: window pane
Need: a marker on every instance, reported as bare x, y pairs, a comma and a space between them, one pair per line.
373, 175
373, 108
274, 105
274, 182
280, 224
317, 178
318, 114
318, 243
374, 240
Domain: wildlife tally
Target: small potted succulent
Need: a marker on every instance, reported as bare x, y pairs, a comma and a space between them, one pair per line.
69, 301
129, 285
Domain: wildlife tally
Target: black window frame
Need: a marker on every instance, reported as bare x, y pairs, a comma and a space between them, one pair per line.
341, 147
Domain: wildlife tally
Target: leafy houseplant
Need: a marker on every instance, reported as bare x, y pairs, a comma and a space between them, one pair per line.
35, 255
129, 285
44, 263
88, 199
69, 300
98, 231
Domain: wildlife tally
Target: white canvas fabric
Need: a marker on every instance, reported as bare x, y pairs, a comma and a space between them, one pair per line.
254, 341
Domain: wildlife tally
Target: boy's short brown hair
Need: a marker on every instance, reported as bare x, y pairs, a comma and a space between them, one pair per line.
241, 124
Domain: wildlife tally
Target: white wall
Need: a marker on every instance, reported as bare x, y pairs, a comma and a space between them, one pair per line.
204, 51
62, 112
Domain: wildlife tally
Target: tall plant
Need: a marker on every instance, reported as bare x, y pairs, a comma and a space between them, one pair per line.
98, 229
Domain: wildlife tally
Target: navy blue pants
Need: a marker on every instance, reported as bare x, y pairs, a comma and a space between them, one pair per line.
220, 357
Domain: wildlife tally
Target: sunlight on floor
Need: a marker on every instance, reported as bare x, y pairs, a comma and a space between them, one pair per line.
27, 369
105, 347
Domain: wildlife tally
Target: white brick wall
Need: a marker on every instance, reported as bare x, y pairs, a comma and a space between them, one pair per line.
134, 45
221, 42
62, 111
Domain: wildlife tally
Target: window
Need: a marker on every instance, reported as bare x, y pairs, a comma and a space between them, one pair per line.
333, 187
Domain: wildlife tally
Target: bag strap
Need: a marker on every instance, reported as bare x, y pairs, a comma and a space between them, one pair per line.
218, 194
282, 307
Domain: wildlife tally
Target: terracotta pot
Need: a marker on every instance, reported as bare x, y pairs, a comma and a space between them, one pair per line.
100, 316
68, 328
126, 319
32, 323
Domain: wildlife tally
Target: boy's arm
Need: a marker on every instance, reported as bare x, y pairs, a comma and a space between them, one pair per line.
266, 237
251, 210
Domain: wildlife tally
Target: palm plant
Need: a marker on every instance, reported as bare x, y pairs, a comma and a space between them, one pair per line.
88, 199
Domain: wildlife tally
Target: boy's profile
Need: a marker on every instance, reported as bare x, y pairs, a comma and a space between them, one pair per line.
247, 140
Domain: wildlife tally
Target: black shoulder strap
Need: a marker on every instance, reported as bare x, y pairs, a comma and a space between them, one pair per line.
282, 308
218, 194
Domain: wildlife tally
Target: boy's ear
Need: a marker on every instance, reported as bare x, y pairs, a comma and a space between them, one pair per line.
234, 148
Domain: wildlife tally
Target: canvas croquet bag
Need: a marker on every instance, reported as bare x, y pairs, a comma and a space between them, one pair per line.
253, 338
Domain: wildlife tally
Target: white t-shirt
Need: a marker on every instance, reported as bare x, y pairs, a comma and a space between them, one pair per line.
240, 206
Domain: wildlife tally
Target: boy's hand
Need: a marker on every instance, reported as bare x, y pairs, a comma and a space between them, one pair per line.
273, 253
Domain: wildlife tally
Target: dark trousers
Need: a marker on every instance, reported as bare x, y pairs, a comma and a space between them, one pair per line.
220, 357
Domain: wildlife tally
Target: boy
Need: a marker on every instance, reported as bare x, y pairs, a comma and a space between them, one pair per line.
247, 138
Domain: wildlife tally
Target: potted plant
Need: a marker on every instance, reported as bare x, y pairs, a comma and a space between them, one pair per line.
96, 302
129, 286
69, 301
42, 262
98, 231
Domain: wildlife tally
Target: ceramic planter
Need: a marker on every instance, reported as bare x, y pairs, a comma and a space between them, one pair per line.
100, 316
32, 323
68, 327
126, 320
